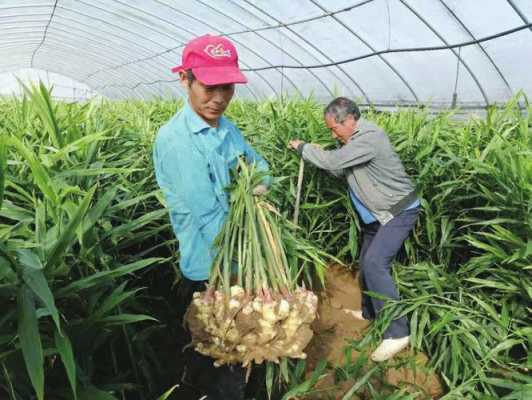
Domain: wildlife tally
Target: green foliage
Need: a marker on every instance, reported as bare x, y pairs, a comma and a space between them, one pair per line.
66, 292
82, 225
467, 279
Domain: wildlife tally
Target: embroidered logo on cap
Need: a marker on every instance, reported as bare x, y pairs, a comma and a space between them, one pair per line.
216, 51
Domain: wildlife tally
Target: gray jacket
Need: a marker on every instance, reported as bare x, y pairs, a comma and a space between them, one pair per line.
372, 168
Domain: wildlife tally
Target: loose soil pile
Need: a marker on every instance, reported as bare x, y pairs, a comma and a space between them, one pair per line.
334, 329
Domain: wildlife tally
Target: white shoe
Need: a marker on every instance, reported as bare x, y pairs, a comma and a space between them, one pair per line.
357, 314
389, 348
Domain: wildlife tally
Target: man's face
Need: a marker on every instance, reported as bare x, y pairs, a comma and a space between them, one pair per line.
209, 102
341, 131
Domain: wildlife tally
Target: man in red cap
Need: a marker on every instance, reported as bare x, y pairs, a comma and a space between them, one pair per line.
193, 155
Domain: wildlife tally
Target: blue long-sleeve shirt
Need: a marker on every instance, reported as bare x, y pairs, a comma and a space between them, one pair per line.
192, 162
366, 215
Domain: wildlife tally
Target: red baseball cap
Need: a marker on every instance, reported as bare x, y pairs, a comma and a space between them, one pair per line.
212, 59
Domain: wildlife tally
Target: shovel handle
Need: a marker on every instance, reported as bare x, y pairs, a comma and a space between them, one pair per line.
299, 187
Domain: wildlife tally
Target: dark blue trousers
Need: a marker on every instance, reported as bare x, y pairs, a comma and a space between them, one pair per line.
380, 245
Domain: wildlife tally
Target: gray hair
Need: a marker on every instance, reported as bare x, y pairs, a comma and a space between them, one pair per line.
340, 108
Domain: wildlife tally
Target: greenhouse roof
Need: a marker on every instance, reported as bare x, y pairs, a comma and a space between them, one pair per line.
384, 52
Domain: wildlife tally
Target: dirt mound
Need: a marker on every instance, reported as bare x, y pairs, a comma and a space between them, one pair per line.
334, 329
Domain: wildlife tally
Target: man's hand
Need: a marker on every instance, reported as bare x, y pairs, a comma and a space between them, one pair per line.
260, 190
294, 144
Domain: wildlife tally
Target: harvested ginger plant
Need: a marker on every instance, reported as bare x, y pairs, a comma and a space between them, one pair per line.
254, 310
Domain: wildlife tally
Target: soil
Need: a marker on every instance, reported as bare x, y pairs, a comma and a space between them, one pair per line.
334, 329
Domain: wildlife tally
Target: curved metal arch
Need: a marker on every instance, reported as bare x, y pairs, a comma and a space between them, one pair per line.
249, 89
77, 22
79, 13
112, 52
52, 69
60, 47
282, 50
139, 60
241, 44
104, 87
104, 35
123, 17
447, 44
394, 70
86, 52
345, 9
520, 13
274, 45
68, 33
499, 72
192, 33
134, 46
315, 48
304, 20
406, 50
44, 33
155, 55
134, 87
88, 26
27, 57
129, 32
159, 81
97, 44
118, 89
253, 95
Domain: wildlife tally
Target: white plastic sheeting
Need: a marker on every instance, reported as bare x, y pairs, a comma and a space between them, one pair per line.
377, 51
63, 87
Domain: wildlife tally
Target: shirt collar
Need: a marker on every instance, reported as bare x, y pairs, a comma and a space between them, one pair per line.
194, 121
357, 129
361, 121
198, 124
